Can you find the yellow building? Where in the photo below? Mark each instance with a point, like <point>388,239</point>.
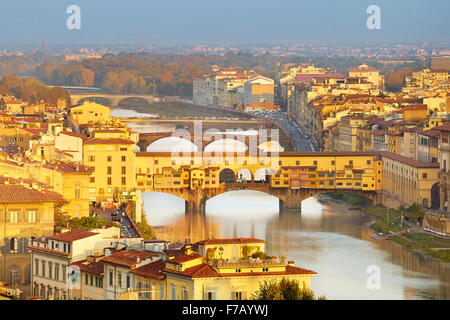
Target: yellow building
<point>194,276</point>
<point>417,112</point>
<point>71,180</point>
<point>25,213</point>
<point>112,162</point>
<point>371,74</point>
<point>88,113</point>
<point>345,170</point>
<point>409,181</point>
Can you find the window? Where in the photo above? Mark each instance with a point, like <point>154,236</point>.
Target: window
<point>424,175</point>
<point>124,158</point>
<point>109,158</point>
<point>91,158</point>
<point>14,245</point>
<point>110,278</point>
<point>128,281</point>
<point>77,194</point>
<point>124,170</point>
<point>124,181</point>
<point>36,267</point>
<point>64,272</point>
<point>57,271</point>
<point>50,269</point>
<point>184,293</point>
<point>238,295</point>
<point>119,279</point>
<point>174,292</point>
<point>92,179</point>
<point>43,268</point>
<point>109,181</point>
<point>14,216</point>
<point>333,162</point>
<point>109,170</point>
<point>31,216</point>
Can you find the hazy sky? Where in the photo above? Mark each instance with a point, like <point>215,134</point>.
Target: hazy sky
<point>221,21</point>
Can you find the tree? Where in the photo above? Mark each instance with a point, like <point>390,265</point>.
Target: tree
<point>89,223</point>
<point>284,289</point>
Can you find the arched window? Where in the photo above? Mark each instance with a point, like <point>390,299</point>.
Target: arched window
<point>14,275</point>
<point>14,245</point>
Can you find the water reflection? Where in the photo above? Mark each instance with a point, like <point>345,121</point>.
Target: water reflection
<point>325,237</point>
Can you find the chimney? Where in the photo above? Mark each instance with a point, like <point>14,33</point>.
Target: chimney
<point>291,263</point>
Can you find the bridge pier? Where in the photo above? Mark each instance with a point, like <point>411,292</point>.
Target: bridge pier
<point>292,200</point>
<point>195,206</point>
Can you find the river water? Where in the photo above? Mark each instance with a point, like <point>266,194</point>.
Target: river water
<point>325,237</point>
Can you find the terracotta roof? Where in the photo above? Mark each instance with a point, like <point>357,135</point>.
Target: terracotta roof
<point>90,267</point>
<point>19,194</point>
<point>129,257</point>
<point>416,107</point>
<point>443,127</point>
<point>184,258</point>
<point>206,271</point>
<point>73,235</point>
<point>408,161</point>
<point>109,131</point>
<point>74,134</point>
<point>231,241</point>
<point>108,141</point>
<point>432,133</point>
<point>68,167</point>
<point>66,254</point>
<point>152,270</point>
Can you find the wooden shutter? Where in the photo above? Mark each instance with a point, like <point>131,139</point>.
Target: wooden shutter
<point>6,245</point>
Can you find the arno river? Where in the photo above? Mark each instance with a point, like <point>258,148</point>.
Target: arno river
<point>325,237</point>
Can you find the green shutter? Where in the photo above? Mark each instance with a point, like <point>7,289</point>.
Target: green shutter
<point>23,243</point>
<point>6,246</point>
